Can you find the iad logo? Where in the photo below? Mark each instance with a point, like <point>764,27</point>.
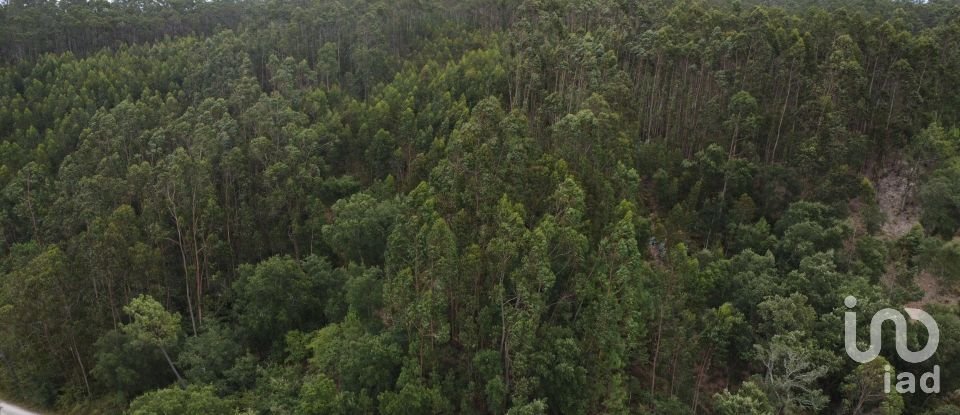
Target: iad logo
<point>906,381</point>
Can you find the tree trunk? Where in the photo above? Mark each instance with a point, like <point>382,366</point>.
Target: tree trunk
<point>656,352</point>
<point>186,269</point>
<point>180,380</point>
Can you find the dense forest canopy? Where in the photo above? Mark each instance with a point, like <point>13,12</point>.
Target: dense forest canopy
<point>484,206</point>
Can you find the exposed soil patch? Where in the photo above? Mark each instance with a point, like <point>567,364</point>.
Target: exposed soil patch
<point>933,291</point>
<point>895,193</point>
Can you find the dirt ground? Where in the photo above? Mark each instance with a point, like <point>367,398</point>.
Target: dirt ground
<point>933,293</point>
<point>896,195</point>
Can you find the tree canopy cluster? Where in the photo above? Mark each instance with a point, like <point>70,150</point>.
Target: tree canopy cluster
<point>487,206</point>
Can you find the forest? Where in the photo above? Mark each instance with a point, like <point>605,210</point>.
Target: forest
<point>521,207</point>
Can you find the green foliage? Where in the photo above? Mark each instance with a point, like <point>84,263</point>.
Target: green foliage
<point>808,229</point>
<point>359,362</point>
<point>940,203</point>
<point>207,357</point>
<point>781,315</point>
<point>151,324</point>
<point>791,373</point>
<point>871,257</point>
<point>949,348</point>
<point>412,399</point>
<point>946,260</point>
<point>751,279</point>
<point>474,207</point>
<point>126,368</point>
<point>749,400</point>
<point>863,390</point>
<point>282,294</point>
<point>194,400</point>
<point>360,228</point>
